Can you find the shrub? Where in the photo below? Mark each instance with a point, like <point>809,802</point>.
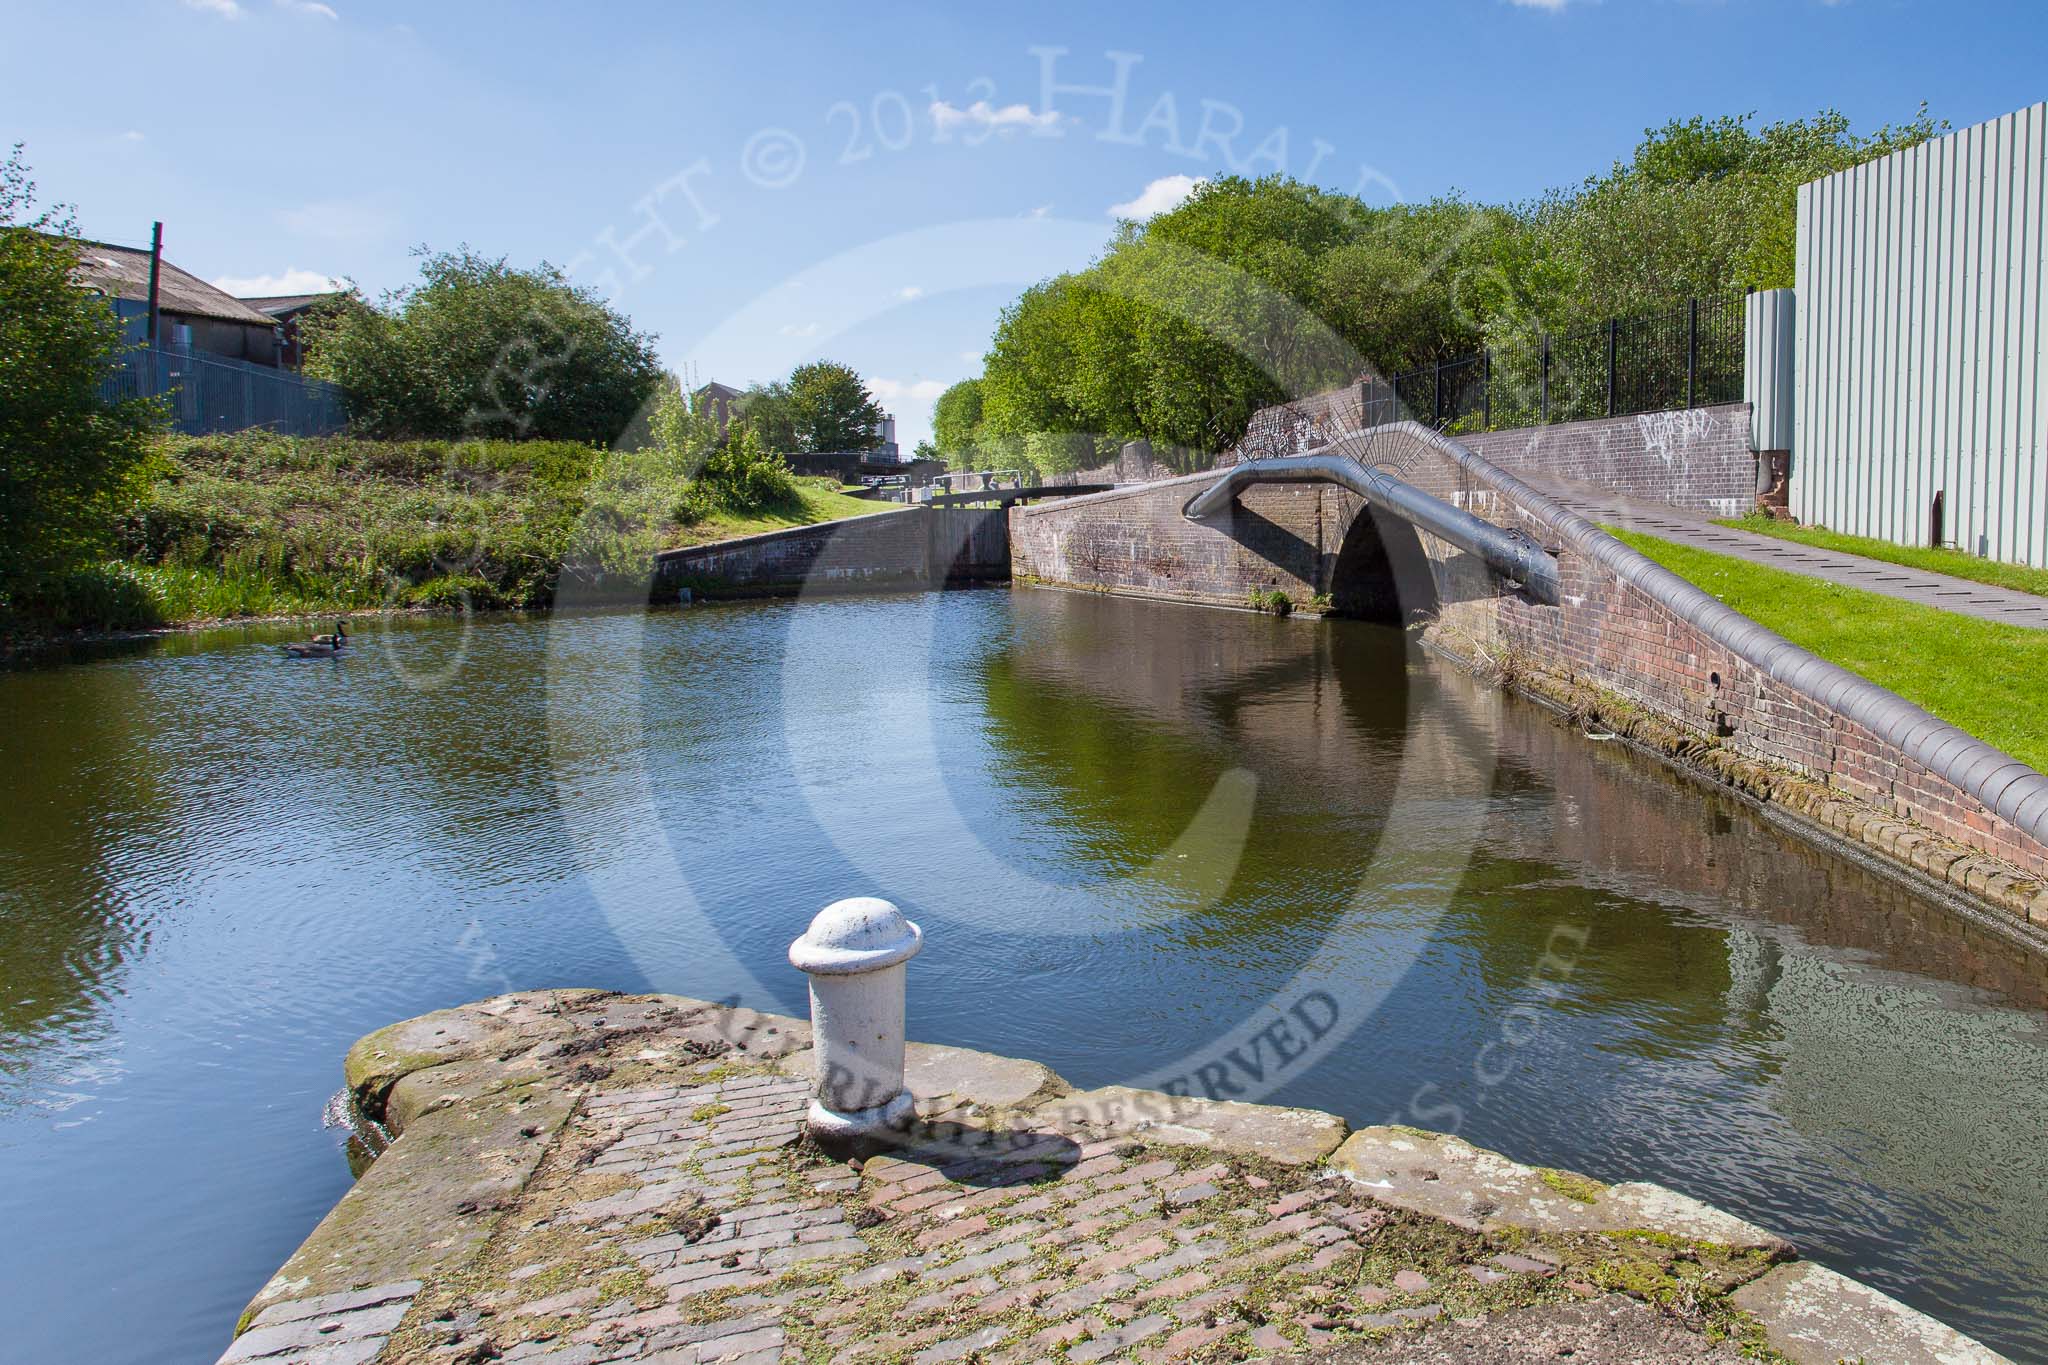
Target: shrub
<point>1273,600</point>
<point>67,458</point>
<point>478,348</point>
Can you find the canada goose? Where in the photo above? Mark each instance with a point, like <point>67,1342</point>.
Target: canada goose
<point>320,646</point>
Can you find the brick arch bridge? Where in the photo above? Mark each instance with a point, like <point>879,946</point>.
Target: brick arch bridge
<point>1616,633</point>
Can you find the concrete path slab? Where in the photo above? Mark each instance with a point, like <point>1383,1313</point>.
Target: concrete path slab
<point>1666,522</point>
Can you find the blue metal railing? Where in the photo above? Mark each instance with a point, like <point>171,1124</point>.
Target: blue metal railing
<point>208,395</point>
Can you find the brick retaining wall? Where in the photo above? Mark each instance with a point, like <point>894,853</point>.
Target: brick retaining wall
<point>1698,458</point>
<point>914,547</point>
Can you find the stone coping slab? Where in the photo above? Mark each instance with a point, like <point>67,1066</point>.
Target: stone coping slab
<point>1817,1317</point>
<point>1449,1178</point>
<point>1291,1137</point>
<point>581,1177</point>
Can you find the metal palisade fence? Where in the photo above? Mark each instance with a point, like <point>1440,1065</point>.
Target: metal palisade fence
<point>207,395</point>
<point>1689,356</point>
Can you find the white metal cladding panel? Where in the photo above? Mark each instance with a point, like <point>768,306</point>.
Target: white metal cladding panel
<point>1920,354</point>
<point>1768,334</point>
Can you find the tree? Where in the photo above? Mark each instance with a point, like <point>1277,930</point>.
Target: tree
<point>831,409</point>
<point>1254,291</point>
<point>956,423</point>
<point>821,406</point>
<point>765,408</point>
<point>478,348</point>
<point>66,455</point>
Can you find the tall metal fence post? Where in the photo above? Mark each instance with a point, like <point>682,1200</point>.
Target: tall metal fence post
<point>1486,389</point>
<point>1437,404</point>
<point>1692,352</point>
<point>1613,329</point>
<point>1546,379</point>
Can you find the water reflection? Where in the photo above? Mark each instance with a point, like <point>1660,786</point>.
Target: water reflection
<point>217,870</point>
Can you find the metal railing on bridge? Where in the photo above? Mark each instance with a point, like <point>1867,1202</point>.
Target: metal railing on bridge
<point>1686,357</point>
<point>208,395</point>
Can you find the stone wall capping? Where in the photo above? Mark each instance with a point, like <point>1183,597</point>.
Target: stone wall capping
<point>1286,1136</point>
<point>1814,1316</point>
<point>1448,1177</point>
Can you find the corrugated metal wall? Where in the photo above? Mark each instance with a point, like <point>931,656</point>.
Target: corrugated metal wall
<point>1920,360</point>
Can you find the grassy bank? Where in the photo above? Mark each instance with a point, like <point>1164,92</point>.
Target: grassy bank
<point>1954,563</point>
<point>260,525</point>
<point>1990,679</point>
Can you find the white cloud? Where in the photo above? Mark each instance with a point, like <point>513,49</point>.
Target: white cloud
<point>910,291</point>
<point>982,114</point>
<point>1168,191</point>
<point>292,281</point>
<point>132,135</point>
<point>226,9</point>
<point>1040,211</point>
<point>312,9</point>
<point>895,392</point>
<point>971,357</point>
<point>791,329</point>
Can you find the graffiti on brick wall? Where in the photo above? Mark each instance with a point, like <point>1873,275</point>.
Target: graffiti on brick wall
<point>1670,436</point>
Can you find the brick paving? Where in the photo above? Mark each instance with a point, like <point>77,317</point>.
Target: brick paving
<point>582,1177</point>
<point>693,1223</point>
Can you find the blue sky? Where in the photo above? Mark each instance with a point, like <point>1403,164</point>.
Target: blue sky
<point>760,185</point>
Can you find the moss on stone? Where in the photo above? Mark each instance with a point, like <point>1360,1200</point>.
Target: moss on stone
<point>1571,1185</point>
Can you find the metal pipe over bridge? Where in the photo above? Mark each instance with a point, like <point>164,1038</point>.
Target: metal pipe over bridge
<point>1508,553</point>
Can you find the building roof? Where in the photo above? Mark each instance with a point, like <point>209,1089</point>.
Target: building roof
<point>122,272</point>
<point>718,390</point>
<point>282,305</point>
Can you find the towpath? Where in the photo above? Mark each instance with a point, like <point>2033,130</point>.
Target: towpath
<point>1666,522</point>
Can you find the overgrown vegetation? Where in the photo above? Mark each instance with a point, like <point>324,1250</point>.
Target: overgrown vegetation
<point>1955,563</point>
<point>1253,292</point>
<point>2002,697</point>
<point>480,349</point>
<point>1271,599</point>
<point>67,459</point>
<point>261,525</point>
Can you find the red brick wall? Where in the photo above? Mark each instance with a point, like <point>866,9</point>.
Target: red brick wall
<point>1698,458</point>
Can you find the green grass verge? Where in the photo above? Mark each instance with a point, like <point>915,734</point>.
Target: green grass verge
<point>1954,563</point>
<point>1988,678</point>
<point>817,501</point>
<point>262,525</point>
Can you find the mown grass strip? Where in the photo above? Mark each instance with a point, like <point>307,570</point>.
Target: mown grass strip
<point>1988,678</point>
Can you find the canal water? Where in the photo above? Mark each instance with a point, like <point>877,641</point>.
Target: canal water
<point>1135,834</point>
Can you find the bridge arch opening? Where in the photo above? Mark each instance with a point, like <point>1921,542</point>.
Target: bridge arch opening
<point>1380,572</point>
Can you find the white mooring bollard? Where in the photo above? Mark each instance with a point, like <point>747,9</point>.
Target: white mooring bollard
<point>854,952</point>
